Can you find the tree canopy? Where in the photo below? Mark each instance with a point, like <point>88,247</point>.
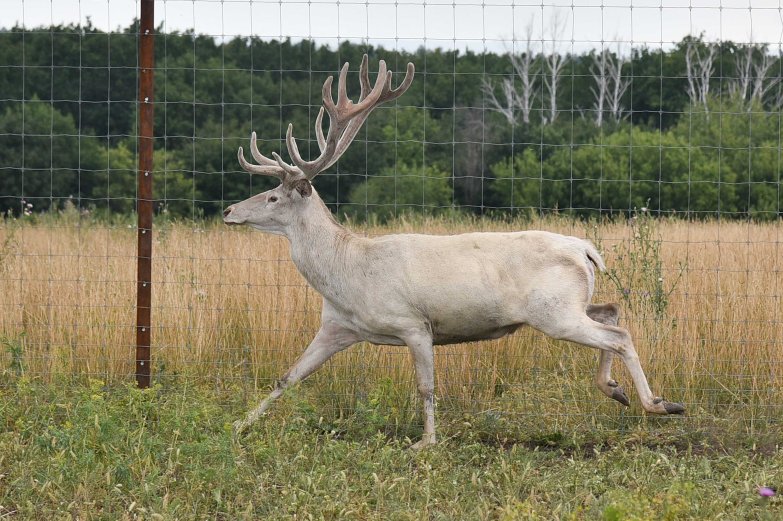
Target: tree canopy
<point>457,138</point>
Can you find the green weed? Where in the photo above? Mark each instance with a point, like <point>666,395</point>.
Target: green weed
<point>15,349</point>
<point>638,272</point>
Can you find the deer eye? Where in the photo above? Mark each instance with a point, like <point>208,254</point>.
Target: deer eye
<point>272,199</point>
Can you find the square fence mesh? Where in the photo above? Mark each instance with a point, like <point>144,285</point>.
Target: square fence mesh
<point>651,127</point>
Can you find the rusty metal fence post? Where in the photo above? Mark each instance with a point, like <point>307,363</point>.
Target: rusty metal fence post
<point>144,196</point>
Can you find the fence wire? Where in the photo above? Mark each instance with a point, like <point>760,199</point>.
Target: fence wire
<point>652,128</point>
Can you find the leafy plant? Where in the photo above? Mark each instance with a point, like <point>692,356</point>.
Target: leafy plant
<point>638,273</point>
<point>9,246</point>
<point>15,348</point>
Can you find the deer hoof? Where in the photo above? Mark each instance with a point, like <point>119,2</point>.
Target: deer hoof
<point>661,406</point>
<point>674,408</point>
<point>619,394</point>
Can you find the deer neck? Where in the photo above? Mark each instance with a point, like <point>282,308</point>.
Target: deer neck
<point>322,250</point>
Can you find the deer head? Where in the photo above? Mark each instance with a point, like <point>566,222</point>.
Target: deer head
<point>273,210</point>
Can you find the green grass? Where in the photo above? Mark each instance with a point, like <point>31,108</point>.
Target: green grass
<point>76,450</point>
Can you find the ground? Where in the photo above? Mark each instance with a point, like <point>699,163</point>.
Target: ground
<point>524,432</point>
<point>82,450</point>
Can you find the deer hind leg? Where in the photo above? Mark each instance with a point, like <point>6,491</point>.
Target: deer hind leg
<point>329,340</point>
<point>577,327</point>
<point>608,314</point>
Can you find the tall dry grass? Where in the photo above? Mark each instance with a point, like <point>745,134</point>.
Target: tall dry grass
<point>230,309</point>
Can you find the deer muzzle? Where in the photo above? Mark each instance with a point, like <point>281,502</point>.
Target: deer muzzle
<point>227,219</point>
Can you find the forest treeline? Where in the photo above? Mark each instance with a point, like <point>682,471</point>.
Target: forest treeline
<point>693,129</point>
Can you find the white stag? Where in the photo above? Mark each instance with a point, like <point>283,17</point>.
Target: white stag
<point>423,290</point>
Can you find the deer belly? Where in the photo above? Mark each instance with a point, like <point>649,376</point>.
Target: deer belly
<point>472,335</point>
<point>471,323</point>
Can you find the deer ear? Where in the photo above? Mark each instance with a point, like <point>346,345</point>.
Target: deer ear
<point>304,187</point>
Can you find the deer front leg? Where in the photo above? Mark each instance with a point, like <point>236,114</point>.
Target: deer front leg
<point>330,339</point>
<point>424,363</point>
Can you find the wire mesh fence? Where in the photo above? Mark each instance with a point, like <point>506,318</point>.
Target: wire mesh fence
<point>651,128</point>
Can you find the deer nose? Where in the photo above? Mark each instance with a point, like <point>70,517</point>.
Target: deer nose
<point>227,214</point>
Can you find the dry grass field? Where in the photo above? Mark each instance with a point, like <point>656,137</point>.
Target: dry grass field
<point>524,434</point>
<point>702,300</point>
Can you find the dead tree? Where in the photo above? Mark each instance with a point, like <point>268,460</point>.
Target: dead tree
<point>699,67</point>
<point>743,64</point>
<point>554,64</point>
<point>516,102</point>
<point>598,71</point>
<point>619,85</point>
<point>610,86</point>
<point>753,81</point>
<point>762,82</point>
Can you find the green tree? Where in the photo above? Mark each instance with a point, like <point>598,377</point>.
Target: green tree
<point>742,140</point>
<point>69,112</point>
<point>44,158</point>
<point>629,168</point>
<point>174,189</point>
<point>401,190</point>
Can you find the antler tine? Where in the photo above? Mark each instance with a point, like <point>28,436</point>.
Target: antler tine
<point>319,130</point>
<point>276,168</point>
<point>311,168</point>
<point>342,100</point>
<point>342,94</point>
<point>290,170</point>
<point>328,101</point>
<point>386,94</point>
<point>258,156</point>
<point>346,109</point>
<point>374,96</point>
<point>391,94</point>
<point>364,78</point>
<point>293,148</point>
<point>271,170</point>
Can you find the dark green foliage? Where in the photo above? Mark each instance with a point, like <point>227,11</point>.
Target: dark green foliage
<point>43,157</point>
<point>68,124</point>
<point>722,162</point>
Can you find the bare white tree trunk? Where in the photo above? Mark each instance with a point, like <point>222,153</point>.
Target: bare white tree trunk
<point>744,67</point>
<point>598,71</point>
<point>504,106</point>
<point>524,68</point>
<point>761,84</point>
<point>555,63</point>
<point>753,81</point>
<point>614,68</point>
<point>512,99</point>
<point>699,68</point>
<point>610,86</point>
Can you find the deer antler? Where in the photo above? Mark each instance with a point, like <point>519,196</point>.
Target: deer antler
<point>265,165</point>
<point>345,120</point>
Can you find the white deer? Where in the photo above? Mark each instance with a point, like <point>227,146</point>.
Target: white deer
<point>424,290</point>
